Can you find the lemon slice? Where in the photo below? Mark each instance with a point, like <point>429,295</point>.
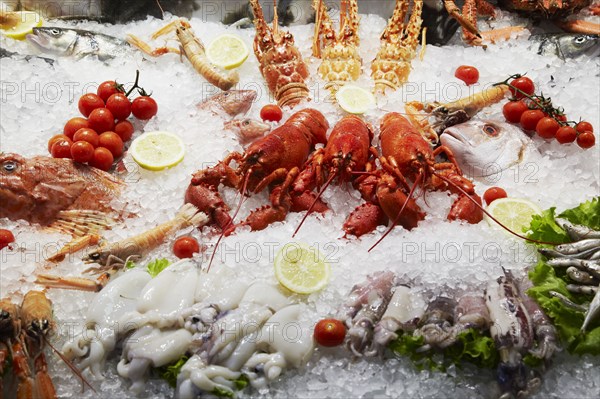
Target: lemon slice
<point>227,51</point>
<point>157,150</point>
<point>514,213</point>
<point>354,99</point>
<point>301,269</point>
<point>18,24</point>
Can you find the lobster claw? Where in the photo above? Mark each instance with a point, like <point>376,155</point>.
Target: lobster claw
<point>364,219</point>
<point>465,209</point>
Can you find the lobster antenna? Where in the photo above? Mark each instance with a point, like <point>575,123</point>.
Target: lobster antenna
<point>343,7</point>
<point>275,18</point>
<point>74,369</point>
<point>317,35</point>
<point>395,222</point>
<point>327,183</point>
<point>163,14</point>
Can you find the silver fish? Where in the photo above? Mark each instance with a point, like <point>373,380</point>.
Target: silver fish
<point>483,147</point>
<point>76,43</point>
<point>247,130</point>
<point>567,45</point>
<point>593,311</point>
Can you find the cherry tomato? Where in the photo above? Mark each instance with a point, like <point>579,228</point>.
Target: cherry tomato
<point>586,140</point>
<point>584,127</point>
<point>566,134</point>
<point>330,332</point>
<point>124,129</point>
<point>119,105</point>
<point>89,102</point>
<point>103,159</point>
<point>468,74</point>
<point>61,149</point>
<point>271,112</point>
<point>530,118</point>
<point>82,151</point>
<point>547,127</point>
<point>73,125</point>
<point>144,107</point>
<point>561,118</point>
<point>112,142</point>
<point>524,84</point>
<point>185,247</point>
<point>493,193</point>
<point>88,135</point>
<point>107,89</point>
<point>513,110</point>
<point>6,237</point>
<point>101,120</point>
<point>56,138</point>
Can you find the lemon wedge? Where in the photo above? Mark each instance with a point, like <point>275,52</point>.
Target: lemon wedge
<point>157,150</point>
<point>227,51</point>
<point>354,99</point>
<point>301,269</point>
<point>18,24</point>
<point>514,213</point>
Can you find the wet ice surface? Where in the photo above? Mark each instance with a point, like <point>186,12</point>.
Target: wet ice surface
<point>438,255</point>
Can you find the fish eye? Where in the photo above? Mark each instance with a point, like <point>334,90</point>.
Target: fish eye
<point>45,325</point>
<point>246,122</point>
<point>54,32</point>
<point>10,166</point>
<point>226,94</point>
<point>95,256</point>
<point>580,39</point>
<point>490,130</point>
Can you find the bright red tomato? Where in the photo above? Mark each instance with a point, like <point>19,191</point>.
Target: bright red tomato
<point>107,89</point>
<point>103,159</point>
<point>88,135</point>
<point>89,102</point>
<point>61,149</point>
<point>271,112</point>
<point>584,126</point>
<point>144,107</point>
<point>82,151</point>
<point>73,125</point>
<point>468,74</point>
<point>330,332</point>
<point>119,105</point>
<point>6,237</point>
<point>566,134</point>
<point>125,130</point>
<point>513,110</point>
<point>524,84</point>
<point>56,138</point>
<point>186,247</point>
<point>101,120</point>
<point>530,118</point>
<point>493,193</point>
<point>112,142</point>
<point>586,140</point>
<point>547,127</point>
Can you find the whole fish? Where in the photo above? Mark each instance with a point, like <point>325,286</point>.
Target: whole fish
<point>483,147</point>
<point>55,191</point>
<point>247,130</point>
<point>232,102</point>
<point>77,43</point>
<point>567,45</point>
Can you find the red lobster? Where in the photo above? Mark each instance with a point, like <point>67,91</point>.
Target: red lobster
<point>407,156</point>
<point>274,159</point>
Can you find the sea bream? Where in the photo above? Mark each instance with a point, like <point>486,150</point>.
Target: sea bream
<point>77,43</point>
<point>483,147</point>
<point>567,45</point>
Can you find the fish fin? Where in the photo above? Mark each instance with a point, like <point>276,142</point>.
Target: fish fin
<point>79,223</point>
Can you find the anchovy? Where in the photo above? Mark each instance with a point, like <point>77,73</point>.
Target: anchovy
<point>593,311</point>
<point>592,267</point>
<point>551,253</point>
<point>580,276</point>
<point>578,247</point>
<point>576,231</point>
<point>567,302</point>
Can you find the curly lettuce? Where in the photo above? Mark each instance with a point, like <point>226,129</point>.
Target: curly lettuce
<point>170,372</point>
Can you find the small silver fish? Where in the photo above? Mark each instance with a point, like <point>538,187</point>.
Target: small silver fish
<point>233,102</point>
<point>77,43</point>
<point>247,130</point>
<point>483,147</point>
<point>567,45</point>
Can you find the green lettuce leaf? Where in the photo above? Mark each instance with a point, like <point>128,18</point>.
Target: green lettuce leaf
<point>544,228</point>
<point>157,266</point>
<point>129,264</point>
<point>170,372</point>
<point>223,393</point>
<point>587,214</point>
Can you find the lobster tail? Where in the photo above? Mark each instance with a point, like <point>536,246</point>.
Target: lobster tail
<point>291,94</point>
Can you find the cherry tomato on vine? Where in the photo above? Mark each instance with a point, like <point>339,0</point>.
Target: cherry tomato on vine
<point>493,193</point>
<point>524,84</point>
<point>61,149</point>
<point>513,110</point>
<point>56,138</point>
<point>88,135</point>
<point>584,126</point>
<point>530,118</point>
<point>73,125</point>
<point>82,151</point>
<point>101,120</point>
<point>547,127</point>
<point>112,142</point>
<point>107,89</point>
<point>586,140</point>
<point>468,74</point>
<point>124,129</point>
<point>89,102</point>
<point>119,105</point>
<point>566,134</point>
<point>271,112</point>
<point>561,118</point>
<point>6,237</point>
<point>144,107</point>
<point>186,247</point>
<point>103,159</point>
<point>330,332</point>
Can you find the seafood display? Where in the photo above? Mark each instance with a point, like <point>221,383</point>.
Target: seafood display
<point>289,223</point>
